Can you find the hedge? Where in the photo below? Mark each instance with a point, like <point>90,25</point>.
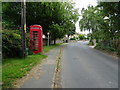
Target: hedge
<point>11,43</point>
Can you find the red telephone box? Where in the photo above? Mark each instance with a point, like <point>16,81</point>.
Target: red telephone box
<point>36,42</point>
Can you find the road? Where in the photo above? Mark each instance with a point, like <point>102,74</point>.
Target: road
<point>85,67</point>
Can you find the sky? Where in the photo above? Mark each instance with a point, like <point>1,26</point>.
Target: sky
<point>83,4</point>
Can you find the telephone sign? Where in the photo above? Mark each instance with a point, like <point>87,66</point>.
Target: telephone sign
<point>36,42</point>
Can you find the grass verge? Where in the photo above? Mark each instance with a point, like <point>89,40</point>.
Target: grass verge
<point>48,48</point>
<point>16,68</point>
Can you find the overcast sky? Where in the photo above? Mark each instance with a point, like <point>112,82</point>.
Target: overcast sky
<point>83,4</point>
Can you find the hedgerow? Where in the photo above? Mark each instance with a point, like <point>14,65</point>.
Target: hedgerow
<point>11,43</point>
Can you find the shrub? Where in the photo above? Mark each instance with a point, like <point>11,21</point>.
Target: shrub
<point>91,43</point>
<point>81,36</point>
<point>107,48</point>
<point>72,39</point>
<point>11,43</point>
<point>118,52</point>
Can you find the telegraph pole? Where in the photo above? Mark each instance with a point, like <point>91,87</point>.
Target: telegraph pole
<point>23,27</point>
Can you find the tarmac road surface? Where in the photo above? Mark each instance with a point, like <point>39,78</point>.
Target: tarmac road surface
<point>85,67</point>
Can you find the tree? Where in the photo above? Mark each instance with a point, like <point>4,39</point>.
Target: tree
<point>46,14</point>
<point>11,15</point>
<point>103,21</point>
<point>92,20</point>
<point>112,11</point>
<point>56,32</point>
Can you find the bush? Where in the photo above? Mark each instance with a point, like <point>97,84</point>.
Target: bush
<point>118,52</point>
<point>81,36</point>
<point>11,43</point>
<point>72,39</point>
<point>107,48</point>
<point>91,43</point>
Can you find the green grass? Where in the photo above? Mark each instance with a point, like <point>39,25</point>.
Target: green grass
<point>16,68</point>
<point>47,48</point>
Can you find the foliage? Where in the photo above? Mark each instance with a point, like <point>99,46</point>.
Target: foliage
<point>11,43</point>
<point>91,43</point>
<point>112,11</point>
<point>72,31</point>
<point>102,47</point>
<point>81,36</point>
<point>72,39</point>
<point>109,46</point>
<point>8,25</point>
<point>94,19</point>
<point>58,18</point>
<point>11,15</point>
<point>46,14</point>
<point>103,22</point>
<point>56,32</point>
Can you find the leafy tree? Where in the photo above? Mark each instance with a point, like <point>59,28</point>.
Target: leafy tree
<point>103,21</point>
<point>92,20</point>
<point>56,32</point>
<point>11,15</point>
<point>112,11</point>
<point>45,14</point>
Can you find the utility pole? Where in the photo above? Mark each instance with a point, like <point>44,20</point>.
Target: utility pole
<point>23,27</point>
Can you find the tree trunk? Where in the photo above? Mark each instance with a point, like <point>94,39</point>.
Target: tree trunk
<point>54,41</point>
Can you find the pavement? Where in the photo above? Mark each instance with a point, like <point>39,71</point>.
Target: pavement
<point>45,72</point>
<point>85,67</point>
